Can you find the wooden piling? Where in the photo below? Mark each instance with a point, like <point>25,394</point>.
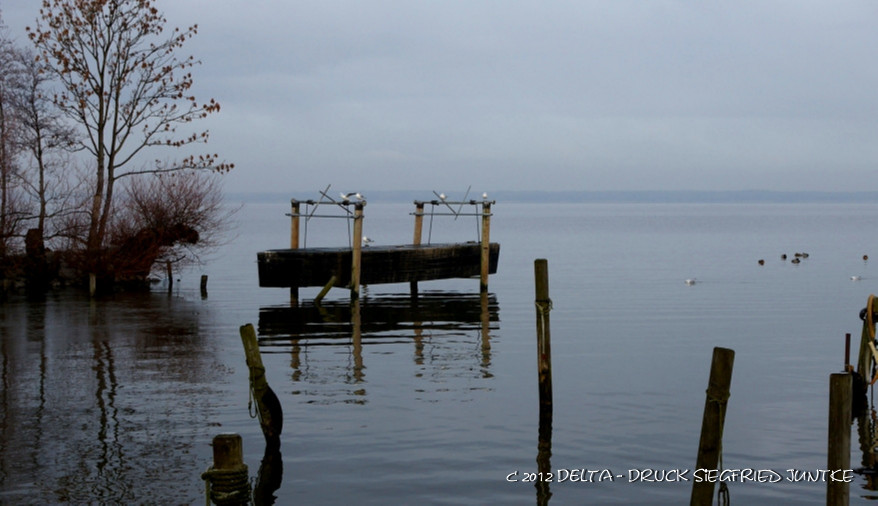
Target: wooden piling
<point>294,243</point>
<point>544,349</point>
<point>839,447</point>
<point>357,247</point>
<point>294,224</point>
<point>416,240</point>
<point>169,271</point>
<point>710,444</point>
<point>486,245</point>
<point>204,285</point>
<point>325,290</point>
<point>268,406</point>
<point>228,477</point>
<point>92,284</point>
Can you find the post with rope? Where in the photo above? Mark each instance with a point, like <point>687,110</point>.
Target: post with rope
<point>544,348</point>
<point>268,408</point>
<point>839,448</point>
<point>357,250</point>
<point>294,242</point>
<point>227,480</point>
<point>486,246</point>
<point>711,442</point>
<point>416,240</point>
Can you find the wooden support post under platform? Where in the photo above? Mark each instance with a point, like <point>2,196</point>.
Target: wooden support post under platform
<point>325,290</point>
<point>839,447</point>
<point>357,246</point>
<point>294,243</point>
<point>711,441</point>
<point>416,240</point>
<point>486,245</point>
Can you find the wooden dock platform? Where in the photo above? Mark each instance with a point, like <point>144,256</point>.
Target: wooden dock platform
<point>379,264</point>
<point>360,264</point>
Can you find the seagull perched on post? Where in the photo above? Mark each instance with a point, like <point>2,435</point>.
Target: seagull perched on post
<point>367,241</point>
<point>347,196</point>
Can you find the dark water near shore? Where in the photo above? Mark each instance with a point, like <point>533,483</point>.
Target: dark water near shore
<point>116,400</point>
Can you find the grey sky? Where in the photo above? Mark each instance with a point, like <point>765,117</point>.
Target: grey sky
<point>572,95</point>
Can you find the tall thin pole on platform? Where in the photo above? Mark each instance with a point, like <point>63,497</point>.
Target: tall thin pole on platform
<point>416,240</point>
<point>486,245</point>
<point>357,252</point>
<point>294,242</point>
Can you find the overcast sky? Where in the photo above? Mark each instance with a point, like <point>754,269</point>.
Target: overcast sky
<point>509,95</point>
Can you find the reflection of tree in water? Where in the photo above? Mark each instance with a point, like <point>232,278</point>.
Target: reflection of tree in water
<point>447,332</point>
<point>104,401</point>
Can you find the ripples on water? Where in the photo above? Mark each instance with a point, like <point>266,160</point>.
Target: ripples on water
<point>116,400</point>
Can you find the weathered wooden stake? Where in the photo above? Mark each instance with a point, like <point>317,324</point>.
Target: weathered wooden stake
<point>486,245</point>
<point>204,285</point>
<point>325,289</point>
<point>294,243</point>
<point>92,284</point>
<point>416,240</point>
<point>228,478</point>
<point>710,444</point>
<point>294,224</point>
<point>228,451</point>
<point>267,404</point>
<point>839,448</point>
<point>544,340</point>
<point>170,273</point>
<point>357,250</point>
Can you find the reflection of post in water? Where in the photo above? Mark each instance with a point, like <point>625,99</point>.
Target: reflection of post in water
<point>357,338</point>
<point>868,440</point>
<point>111,458</point>
<point>485,333</point>
<point>544,455</point>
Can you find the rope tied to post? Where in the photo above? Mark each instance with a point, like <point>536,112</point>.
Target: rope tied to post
<point>720,398</point>
<point>227,486</point>
<point>256,372</point>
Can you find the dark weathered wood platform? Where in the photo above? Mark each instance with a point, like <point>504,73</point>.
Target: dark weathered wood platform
<point>380,264</point>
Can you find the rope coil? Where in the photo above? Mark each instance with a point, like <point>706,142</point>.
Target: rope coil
<point>227,486</point>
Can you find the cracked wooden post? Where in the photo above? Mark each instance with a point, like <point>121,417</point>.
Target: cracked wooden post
<point>486,245</point>
<point>357,254</point>
<point>839,447</point>
<point>416,240</point>
<point>544,339</point>
<point>294,242</point>
<point>711,441</point>
<point>267,404</point>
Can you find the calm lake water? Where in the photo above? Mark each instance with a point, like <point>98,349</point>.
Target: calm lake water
<point>116,400</point>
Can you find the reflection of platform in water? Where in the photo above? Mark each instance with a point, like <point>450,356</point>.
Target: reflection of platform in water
<point>377,320</point>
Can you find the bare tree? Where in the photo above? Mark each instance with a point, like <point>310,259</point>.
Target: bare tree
<point>125,86</point>
<point>12,212</point>
<point>47,140</point>
<point>167,218</point>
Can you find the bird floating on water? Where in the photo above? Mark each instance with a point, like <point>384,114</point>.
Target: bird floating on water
<point>855,278</point>
<point>761,262</point>
<point>690,281</point>
<point>795,260</point>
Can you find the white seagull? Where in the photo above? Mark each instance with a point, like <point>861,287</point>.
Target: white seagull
<point>690,281</point>
<point>367,241</point>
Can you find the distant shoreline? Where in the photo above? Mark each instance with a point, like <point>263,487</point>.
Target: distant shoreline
<point>597,197</point>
